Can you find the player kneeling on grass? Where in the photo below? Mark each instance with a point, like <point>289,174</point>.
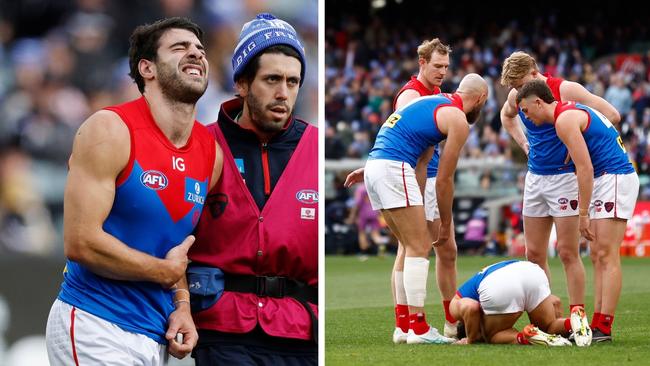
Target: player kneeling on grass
<point>490,303</point>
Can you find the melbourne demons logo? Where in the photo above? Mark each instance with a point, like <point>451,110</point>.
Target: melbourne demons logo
<point>307,196</point>
<point>153,179</point>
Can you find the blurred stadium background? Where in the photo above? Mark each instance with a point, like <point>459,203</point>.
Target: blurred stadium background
<point>370,52</point>
<point>60,61</point>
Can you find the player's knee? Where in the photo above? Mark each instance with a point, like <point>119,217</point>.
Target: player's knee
<point>420,251</point>
<point>593,254</point>
<point>603,253</point>
<point>607,257</point>
<point>447,254</point>
<point>536,256</point>
<point>568,255</point>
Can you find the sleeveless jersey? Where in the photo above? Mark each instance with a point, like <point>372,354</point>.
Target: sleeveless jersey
<point>470,287</point>
<point>281,239</point>
<point>412,129</point>
<point>158,201</point>
<point>547,153</point>
<point>415,84</point>
<point>605,146</point>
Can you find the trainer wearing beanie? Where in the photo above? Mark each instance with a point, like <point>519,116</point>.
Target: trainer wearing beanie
<point>254,272</point>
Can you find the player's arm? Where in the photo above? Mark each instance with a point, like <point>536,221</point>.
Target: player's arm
<point>100,151</point>
<point>354,177</point>
<point>354,210</point>
<point>421,167</point>
<point>218,166</point>
<point>569,129</point>
<point>469,311</point>
<point>510,122</point>
<point>575,92</point>
<point>181,331</point>
<point>406,97</point>
<point>453,123</point>
<point>357,175</point>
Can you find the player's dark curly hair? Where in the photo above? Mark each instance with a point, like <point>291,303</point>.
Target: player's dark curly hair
<point>145,42</point>
<point>537,88</point>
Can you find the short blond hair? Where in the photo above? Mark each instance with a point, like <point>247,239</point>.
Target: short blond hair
<point>426,49</point>
<point>517,66</point>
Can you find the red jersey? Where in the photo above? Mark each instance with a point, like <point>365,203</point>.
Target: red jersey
<point>158,201</point>
<point>416,85</point>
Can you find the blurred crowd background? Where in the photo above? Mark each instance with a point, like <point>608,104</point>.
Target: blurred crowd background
<point>370,53</point>
<point>60,61</point>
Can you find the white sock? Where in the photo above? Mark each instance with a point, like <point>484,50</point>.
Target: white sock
<point>400,294</point>
<point>416,270</point>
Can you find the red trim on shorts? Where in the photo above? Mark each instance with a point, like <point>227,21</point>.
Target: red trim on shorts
<point>74,349</point>
<point>406,192</point>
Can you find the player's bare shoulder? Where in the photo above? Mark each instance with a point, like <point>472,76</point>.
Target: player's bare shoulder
<point>406,97</point>
<point>570,90</point>
<point>103,126</point>
<point>571,120</point>
<point>451,117</point>
<point>102,139</point>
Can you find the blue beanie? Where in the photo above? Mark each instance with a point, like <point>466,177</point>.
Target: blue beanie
<point>261,33</point>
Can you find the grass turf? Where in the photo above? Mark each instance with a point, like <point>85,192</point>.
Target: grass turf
<point>359,319</point>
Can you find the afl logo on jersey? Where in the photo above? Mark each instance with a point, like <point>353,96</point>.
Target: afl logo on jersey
<point>153,179</point>
<point>307,196</point>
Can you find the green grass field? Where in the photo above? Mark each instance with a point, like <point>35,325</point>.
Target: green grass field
<point>359,320</point>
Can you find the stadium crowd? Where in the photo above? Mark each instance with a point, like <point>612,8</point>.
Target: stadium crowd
<point>369,56</point>
<point>62,60</point>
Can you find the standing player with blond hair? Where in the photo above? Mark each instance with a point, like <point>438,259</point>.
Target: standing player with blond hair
<point>433,59</point>
<point>551,190</point>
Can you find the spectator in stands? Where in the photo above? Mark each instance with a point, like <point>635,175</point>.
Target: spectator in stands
<point>475,230</point>
<point>619,95</point>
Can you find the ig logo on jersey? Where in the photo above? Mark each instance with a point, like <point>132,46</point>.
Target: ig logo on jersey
<point>154,180</point>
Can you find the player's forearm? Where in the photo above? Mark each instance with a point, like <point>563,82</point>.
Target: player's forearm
<point>421,168</point>
<point>445,197</point>
<point>108,257</point>
<point>471,316</point>
<point>514,130</point>
<point>585,186</point>
<point>421,176</point>
<point>181,294</point>
<point>613,116</point>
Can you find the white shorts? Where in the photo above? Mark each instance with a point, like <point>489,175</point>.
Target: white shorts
<point>614,196</point>
<point>391,184</point>
<point>75,337</point>
<point>431,200</point>
<point>516,287</point>
<point>550,195</point>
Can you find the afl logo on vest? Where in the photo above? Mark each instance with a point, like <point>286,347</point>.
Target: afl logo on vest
<point>307,196</point>
<point>153,179</point>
